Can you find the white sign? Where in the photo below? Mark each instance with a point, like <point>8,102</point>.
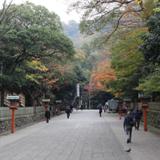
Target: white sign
<point>58,101</point>
<point>78,90</point>
<point>12,97</point>
<point>45,100</point>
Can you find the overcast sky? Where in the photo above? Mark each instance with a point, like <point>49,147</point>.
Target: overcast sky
<point>58,6</point>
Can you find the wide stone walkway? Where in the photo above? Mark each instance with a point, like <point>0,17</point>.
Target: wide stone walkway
<point>85,136</point>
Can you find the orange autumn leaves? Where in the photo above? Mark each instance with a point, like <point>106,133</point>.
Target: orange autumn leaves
<point>101,75</point>
<point>55,72</point>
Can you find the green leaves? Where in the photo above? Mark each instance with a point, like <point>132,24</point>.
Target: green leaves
<point>151,46</point>
<point>151,50</point>
<point>125,54</point>
<point>30,43</point>
<point>151,83</point>
<point>127,61</point>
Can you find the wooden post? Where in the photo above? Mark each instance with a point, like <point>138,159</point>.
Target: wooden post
<point>13,120</point>
<point>145,120</point>
<point>145,109</point>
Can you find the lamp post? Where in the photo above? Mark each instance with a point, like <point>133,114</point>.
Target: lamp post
<point>14,103</point>
<point>45,103</point>
<point>1,86</point>
<point>144,104</point>
<point>145,110</point>
<point>78,94</point>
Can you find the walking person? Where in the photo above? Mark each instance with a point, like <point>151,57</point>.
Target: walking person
<point>47,116</point>
<point>100,107</point>
<point>71,108</point>
<point>138,117</point>
<point>68,111</point>
<point>128,125</point>
<point>120,112</point>
<point>105,106</point>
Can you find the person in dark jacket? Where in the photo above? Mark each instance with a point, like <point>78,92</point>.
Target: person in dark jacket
<point>100,107</point>
<point>47,116</point>
<point>138,117</point>
<point>128,125</point>
<point>68,111</point>
<point>71,108</point>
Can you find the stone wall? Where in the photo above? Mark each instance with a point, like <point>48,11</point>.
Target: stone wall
<point>23,116</point>
<point>154,114</point>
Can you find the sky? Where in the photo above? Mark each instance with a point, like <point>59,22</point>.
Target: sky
<point>60,7</point>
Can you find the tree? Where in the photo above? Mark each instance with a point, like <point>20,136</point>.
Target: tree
<point>33,38</point>
<point>127,62</point>
<point>4,12</point>
<point>101,75</point>
<point>151,46</point>
<point>151,83</point>
<point>98,14</point>
<point>151,50</point>
<point>127,19</point>
<point>35,33</point>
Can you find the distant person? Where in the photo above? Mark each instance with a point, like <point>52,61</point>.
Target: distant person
<point>82,107</point>
<point>47,116</point>
<point>105,106</point>
<point>138,117</point>
<point>128,125</point>
<point>124,109</point>
<point>100,107</point>
<point>68,111</point>
<point>71,108</point>
<point>120,112</point>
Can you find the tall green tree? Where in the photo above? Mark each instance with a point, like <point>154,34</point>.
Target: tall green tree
<point>151,51</point>
<point>127,61</point>
<point>33,33</point>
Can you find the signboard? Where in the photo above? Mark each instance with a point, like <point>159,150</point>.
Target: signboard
<point>46,100</point>
<point>13,98</point>
<point>140,95</point>
<point>127,99</point>
<point>78,90</point>
<point>58,101</point>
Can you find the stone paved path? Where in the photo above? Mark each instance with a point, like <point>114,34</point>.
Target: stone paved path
<point>85,136</point>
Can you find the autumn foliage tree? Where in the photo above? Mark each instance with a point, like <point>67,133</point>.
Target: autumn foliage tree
<point>127,62</point>
<point>102,74</point>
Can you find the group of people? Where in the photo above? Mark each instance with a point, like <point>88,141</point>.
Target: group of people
<point>68,111</point>
<point>132,119</point>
